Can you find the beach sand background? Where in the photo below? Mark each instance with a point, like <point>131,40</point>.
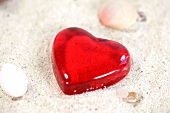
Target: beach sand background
<point>27,28</point>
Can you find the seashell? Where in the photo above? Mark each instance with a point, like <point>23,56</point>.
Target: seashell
<point>13,80</point>
<point>133,98</point>
<point>117,14</point>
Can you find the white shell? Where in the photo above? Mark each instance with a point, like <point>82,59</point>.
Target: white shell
<point>13,80</point>
<point>117,14</point>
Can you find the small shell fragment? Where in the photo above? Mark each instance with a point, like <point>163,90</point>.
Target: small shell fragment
<point>132,98</point>
<point>117,14</point>
<point>13,80</point>
<point>141,17</point>
<point>129,97</point>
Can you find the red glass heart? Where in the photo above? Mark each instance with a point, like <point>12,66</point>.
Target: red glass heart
<point>82,62</point>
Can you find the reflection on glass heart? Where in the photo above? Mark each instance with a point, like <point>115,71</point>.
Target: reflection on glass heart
<point>82,62</point>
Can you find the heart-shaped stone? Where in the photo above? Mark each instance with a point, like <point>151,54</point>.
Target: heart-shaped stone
<point>82,62</point>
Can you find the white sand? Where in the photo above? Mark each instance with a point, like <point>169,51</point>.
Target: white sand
<point>27,28</point>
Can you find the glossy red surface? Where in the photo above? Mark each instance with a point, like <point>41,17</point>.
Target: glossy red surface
<point>82,62</point>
